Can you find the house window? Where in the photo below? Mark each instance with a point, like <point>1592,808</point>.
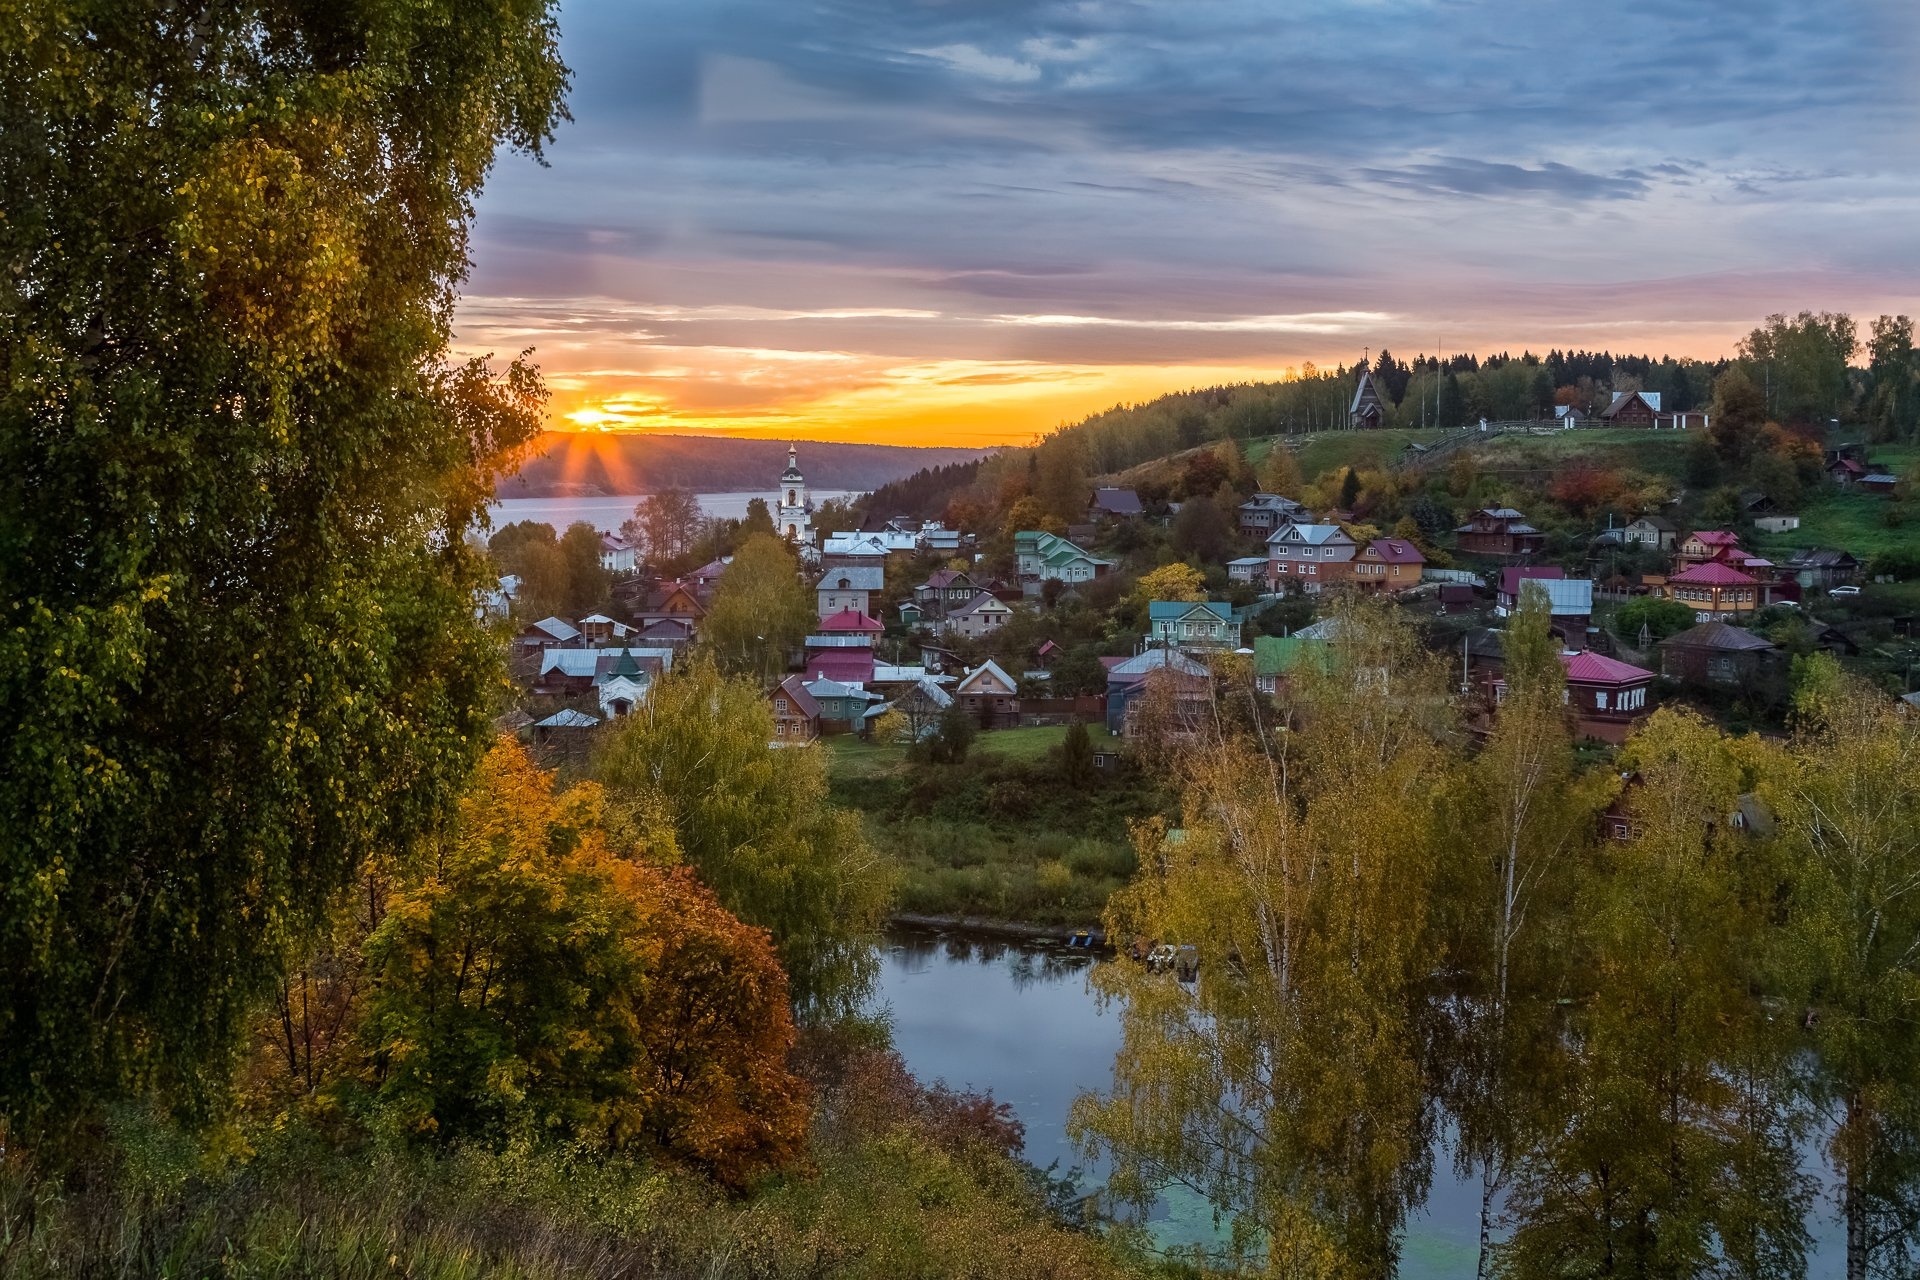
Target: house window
<point>1600,700</point>
<point>780,706</point>
<point>780,728</point>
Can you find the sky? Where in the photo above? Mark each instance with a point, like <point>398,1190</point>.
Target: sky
<point>970,221</point>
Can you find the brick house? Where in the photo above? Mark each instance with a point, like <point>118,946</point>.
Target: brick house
<point>1311,557</point>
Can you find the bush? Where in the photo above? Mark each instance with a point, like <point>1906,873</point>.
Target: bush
<point>1661,618</point>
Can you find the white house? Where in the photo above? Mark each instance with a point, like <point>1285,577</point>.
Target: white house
<point>617,554</point>
<point>983,615</point>
<point>849,587</point>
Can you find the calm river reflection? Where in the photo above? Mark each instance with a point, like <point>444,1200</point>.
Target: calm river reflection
<point>1020,1020</point>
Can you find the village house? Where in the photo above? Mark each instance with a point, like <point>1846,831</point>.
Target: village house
<point>1369,408</point>
<point>617,554</point>
<point>1309,557</point>
<point>671,633</point>
<point>1276,658</point>
<point>981,616</point>
<point>1715,653</point>
<point>1878,482</point>
<point>1203,625</point>
<point>575,672</point>
<point>847,658</point>
<point>848,550</point>
<point>1714,590</point>
<point>1114,504</point>
<point>841,589</point>
<point>944,590</point>
<point>566,730</point>
<point>1569,415</point>
<point>1845,470</point>
<point>1704,545</point>
<point>1261,514</point>
<point>1823,569</point>
<point>672,601</point>
<point>1655,532</point>
<point>550,633</point>
<point>598,630</point>
<point>1499,531</point>
<point>1632,409</point>
<point>624,685</point>
<point>1043,557</point>
<point>1607,697</point>
<point>840,707</point>
<point>1569,600</point>
<point>989,695</point>
<point>1389,565</point>
<point>1188,684</point>
<point>851,622</point>
<point>796,716</point>
<point>1247,569</point>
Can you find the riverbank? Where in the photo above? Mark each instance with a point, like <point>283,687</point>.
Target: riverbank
<point>1018,930</point>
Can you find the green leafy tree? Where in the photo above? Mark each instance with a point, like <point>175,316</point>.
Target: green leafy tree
<point>1526,819</point>
<point>756,824</point>
<point>1280,472</point>
<point>1846,795</point>
<point>1660,618</point>
<point>759,520</point>
<point>237,647</point>
<point>1739,411</point>
<point>1893,379</point>
<point>1800,364</point>
<point>1202,530</point>
<point>1076,756</point>
<point>587,580</point>
<point>669,524</point>
<point>1285,1086</point>
<point>761,610</point>
<point>954,735</point>
<point>1668,1147</point>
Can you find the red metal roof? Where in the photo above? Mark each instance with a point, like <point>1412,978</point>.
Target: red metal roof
<point>850,620</point>
<point>849,666</point>
<point>1513,575</point>
<point>1713,573</point>
<point>1715,537</point>
<point>1594,668</point>
<point>1396,551</point>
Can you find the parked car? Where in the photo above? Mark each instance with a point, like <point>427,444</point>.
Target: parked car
<point>1844,591</point>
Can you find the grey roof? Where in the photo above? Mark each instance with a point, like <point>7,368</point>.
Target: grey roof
<point>567,718</point>
<point>859,577</point>
<point>1119,502</point>
<point>1312,534</point>
<point>1154,660</point>
<point>861,641</point>
<point>981,600</point>
<point>1879,477</point>
<point>1718,635</point>
<point>558,628</point>
<point>1819,557</point>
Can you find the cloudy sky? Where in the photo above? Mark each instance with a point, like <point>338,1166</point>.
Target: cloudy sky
<point>966,221</point>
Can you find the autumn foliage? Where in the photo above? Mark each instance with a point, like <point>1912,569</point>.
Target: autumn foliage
<point>524,978</point>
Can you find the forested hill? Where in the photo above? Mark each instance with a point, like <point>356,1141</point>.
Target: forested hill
<point>585,464</point>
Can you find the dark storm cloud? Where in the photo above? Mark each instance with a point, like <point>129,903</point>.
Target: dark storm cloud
<point>1182,162</point>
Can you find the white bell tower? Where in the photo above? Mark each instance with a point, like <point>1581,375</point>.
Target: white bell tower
<point>793,513</point>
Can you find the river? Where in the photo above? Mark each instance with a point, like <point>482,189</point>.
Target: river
<point>609,512</point>
<point>1020,1020</point>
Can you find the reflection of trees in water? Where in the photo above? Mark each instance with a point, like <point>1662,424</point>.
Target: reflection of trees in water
<point>1026,963</point>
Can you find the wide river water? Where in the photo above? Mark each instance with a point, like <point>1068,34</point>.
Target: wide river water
<point>1021,1021</point>
<point>607,514</point>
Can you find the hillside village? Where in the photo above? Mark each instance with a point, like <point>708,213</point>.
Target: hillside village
<point>1666,594</point>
